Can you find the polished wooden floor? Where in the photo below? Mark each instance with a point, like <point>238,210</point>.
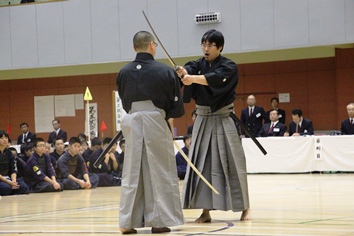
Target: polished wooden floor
<point>282,204</point>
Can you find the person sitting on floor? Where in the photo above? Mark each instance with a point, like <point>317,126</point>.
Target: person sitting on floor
<point>72,170</point>
<point>42,171</point>
<point>107,170</point>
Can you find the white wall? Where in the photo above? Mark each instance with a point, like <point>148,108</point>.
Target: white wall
<point>95,31</point>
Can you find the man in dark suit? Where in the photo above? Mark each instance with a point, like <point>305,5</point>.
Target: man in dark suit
<point>26,136</point>
<point>274,127</point>
<point>252,116</point>
<point>299,125</point>
<point>347,125</point>
<point>274,102</point>
<point>58,132</point>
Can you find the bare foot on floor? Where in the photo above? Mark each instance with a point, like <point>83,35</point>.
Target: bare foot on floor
<point>160,230</point>
<point>204,217</point>
<point>246,215</point>
<point>127,231</point>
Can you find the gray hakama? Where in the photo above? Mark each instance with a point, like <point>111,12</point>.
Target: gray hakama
<point>216,150</point>
<point>150,193</point>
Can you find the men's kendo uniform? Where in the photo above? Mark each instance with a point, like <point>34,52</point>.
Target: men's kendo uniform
<point>150,92</point>
<point>76,166</point>
<point>7,168</point>
<point>40,167</point>
<point>107,176</point>
<point>216,147</point>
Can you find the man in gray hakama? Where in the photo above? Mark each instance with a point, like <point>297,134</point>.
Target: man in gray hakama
<point>216,148</point>
<point>150,93</point>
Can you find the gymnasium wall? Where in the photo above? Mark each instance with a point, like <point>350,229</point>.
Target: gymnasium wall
<point>320,87</point>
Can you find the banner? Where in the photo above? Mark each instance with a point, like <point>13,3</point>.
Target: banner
<point>120,112</point>
<point>93,120</point>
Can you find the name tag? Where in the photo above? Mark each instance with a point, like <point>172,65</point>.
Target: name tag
<point>280,116</point>
<point>276,130</point>
<point>305,131</point>
<point>258,115</point>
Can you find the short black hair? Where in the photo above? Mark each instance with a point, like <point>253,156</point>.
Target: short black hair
<point>56,121</point>
<point>74,140</point>
<point>82,135</point>
<point>38,140</point>
<point>24,123</point>
<point>297,111</point>
<point>274,110</point>
<point>56,139</point>
<point>214,36</point>
<point>106,140</point>
<point>186,136</point>
<point>121,142</point>
<point>12,149</point>
<point>274,98</point>
<point>28,146</point>
<point>4,133</point>
<point>95,141</point>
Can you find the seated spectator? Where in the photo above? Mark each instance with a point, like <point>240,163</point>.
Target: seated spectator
<point>347,125</point>
<point>120,157</point>
<point>21,165</point>
<point>72,170</point>
<point>299,125</point>
<point>180,161</point>
<point>82,137</point>
<point>9,183</point>
<point>26,136</point>
<point>48,148</point>
<point>274,128</point>
<point>26,151</point>
<point>107,170</point>
<point>42,171</point>
<point>58,148</point>
<point>274,102</point>
<point>95,144</point>
<point>190,128</point>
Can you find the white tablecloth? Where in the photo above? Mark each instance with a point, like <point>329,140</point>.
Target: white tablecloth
<point>300,154</point>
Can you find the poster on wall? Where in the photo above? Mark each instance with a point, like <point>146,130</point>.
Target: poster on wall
<point>119,111</point>
<point>64,105</point>
<point>92,119</point>
<point>43,113</point>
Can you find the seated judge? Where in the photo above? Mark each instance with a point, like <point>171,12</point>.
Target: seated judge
<point>299,125</point>
<point>347,125</point>
<point>274,128</point>
<point>26,136</point>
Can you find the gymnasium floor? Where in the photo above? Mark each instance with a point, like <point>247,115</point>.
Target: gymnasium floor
<point>282,204</point>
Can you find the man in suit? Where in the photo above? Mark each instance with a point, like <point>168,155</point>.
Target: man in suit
<point>274,127</point>
<point>299,125</point>
<point>58,132</point>
<point>347,125</point>
<point>26,136</point>
<point>252,116</point>
<point>274,102</point>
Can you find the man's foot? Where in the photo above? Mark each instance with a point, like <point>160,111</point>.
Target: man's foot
<point>127,231</point>
<point>160,230</point>
<point>204,217</point>
<point>246,215</point>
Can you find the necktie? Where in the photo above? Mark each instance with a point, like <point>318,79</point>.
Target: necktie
<point>298,128</point>
<point>24,137</point>
<point>271,128</point>
<point>251,111</point>
<point>351,121</point>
